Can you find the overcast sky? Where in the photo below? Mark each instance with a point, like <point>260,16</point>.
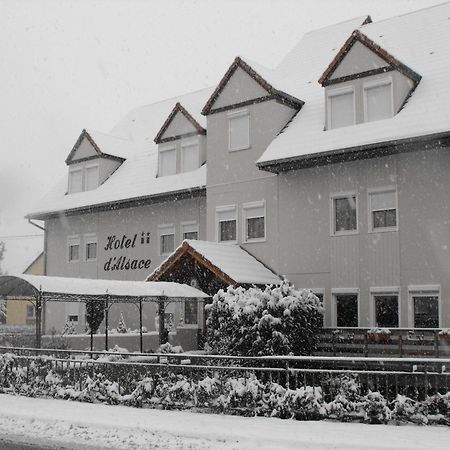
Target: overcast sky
<point>69,65</point>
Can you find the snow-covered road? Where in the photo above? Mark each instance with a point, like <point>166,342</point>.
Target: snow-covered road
<point>72,425</point>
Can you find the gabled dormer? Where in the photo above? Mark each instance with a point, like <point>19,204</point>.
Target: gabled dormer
<point>93,158</point>
<point>365,83</point>
<point>181,143</point>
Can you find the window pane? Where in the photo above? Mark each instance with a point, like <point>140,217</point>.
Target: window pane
<point>167,243</point>
<point>75,181</point>
<point>167,162</point>
<point>347,310</point>
<point>91,178</point>
<point>345,213</point>
<point>383,219</point>
<point>341,110</point>
<point>239,132</point>
<point>73,318</point>
<point>227,230</point>
<point>386,311</point>
<point>74,252</point>
<point>378,102</point>
<point>30,311</point>
<point>190,235</point>
<point>190,312</point>
<point>426,311</point>
<point>190,157</point>
<point>255,228</point>
<point>91,250</point>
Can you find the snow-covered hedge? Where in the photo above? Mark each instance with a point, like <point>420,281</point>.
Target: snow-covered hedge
<point>278,320</point>
<point>245,395</point>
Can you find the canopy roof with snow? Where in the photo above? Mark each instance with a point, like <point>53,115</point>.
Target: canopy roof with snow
<point>131,140</point>
<point>417,43</point>
<point>229,262</point>
<point>79,289</point>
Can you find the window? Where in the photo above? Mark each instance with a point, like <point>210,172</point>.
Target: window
<point>72,318</point>
<point>378,102</point>
<point>75,180</point>
<point>226,224</point>
<point>346,310</point>
<point>383,210</point>
<point>31,312</point>
<point>341,108</point>
<point>166,239</point>
<point>238,130</point>
<point>189,230</point>
<point>91,247</point>
<point>73,243</point>
<point>425,308</point>
<point>344,214</point>
<point>254,221</point>
<point>190,312</point>
<point>386,310</point>
<point>190,157</point>
<point>91,178</point>
<point>167,162</point>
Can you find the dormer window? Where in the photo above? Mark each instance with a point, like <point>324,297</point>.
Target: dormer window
<point>167,161</point>
<point>341,107</point>
<point>75,180</point>
<point>91,177</point>
<point>190,157</point>
<point>378,100</point>
<point>238,130</point>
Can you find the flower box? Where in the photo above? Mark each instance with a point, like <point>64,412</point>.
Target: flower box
<point>378,335</point>
<point>444,335</point>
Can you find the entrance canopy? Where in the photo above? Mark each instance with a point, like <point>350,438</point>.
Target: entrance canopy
<point>79,289</point>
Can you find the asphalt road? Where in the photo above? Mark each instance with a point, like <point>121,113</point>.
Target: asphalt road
<point>14,443</point>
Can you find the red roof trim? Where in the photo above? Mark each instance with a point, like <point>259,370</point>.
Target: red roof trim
<point>84,134</point>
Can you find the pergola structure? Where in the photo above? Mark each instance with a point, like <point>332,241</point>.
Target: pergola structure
<point>40,289</point>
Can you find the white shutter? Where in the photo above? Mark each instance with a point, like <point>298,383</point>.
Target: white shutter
<point>226,214</point>
<point>378,102</point>
<point>341,109</point>
<point>381,201</point>
<point>167,162</point>
<point>91,178</point>
<point>75,181</point>
<point>190,157</point>
<point>239,129</point>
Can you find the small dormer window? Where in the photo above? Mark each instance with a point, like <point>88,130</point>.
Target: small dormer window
<point>341,107</point>
<point>238,130</point>
<point>75,180</point>
<point>167,161</point>
<point>91,177</point>
<point>378,100</point>
<point>190,157</point>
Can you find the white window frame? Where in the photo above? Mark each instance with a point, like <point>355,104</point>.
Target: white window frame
<point>72,170</point>
<point>234,115</point>
<point>166,148</point>
<point>90,238</point>
<point>225,208</point>
<point>334,93</point>
<point>338,195</point>
<point>381,190</point>
<point>376,291</point>
<point>189,227</point>
<point>166,230</point>
<point>245,208</point>
<point>91,166</point>
<point>72,241</point>
<point>377,83</point>
<point>189,143</point>
<point>423,290</point>
<point>343,291</point>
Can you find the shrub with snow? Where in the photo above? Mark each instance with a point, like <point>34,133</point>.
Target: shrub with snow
<point>69,328</point>
<point>375,408</point>
<point>278,320</point>
<point>121,326</point>
<point>169,348</point>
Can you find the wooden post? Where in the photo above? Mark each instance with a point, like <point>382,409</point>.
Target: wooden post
<point>140,325</point>
<point>400,345</point>
<point>366,345</point>
<point>436,343</point>
<point>106,322</point>
<point>38,318</point>
<point>162,331</point>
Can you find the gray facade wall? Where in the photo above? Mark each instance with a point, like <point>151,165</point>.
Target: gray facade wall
<point>417,254</point>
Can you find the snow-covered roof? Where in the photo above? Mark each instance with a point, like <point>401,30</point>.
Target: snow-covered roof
<point>32,284</point>
<point>136,178</point>
<point>231,260</point>
<point>420,40</point>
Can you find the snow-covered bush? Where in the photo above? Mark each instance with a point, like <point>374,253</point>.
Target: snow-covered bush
<point>121,326</point>
<point>69,328</point>
<point>169,348</point>
<point>375,408</point>
<point>278,320</point>
<point>405,409</point>
<point>346,402</point>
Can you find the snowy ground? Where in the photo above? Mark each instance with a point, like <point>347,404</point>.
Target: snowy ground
<point>71,425</point>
